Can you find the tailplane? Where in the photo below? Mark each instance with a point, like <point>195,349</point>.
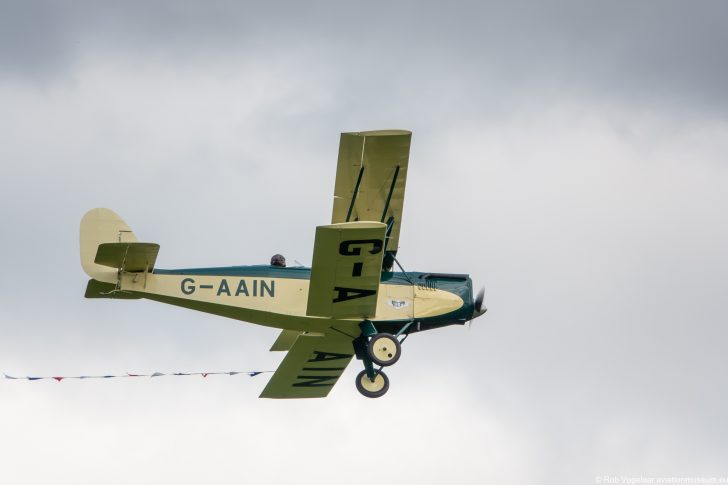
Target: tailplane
<point>109,247</point>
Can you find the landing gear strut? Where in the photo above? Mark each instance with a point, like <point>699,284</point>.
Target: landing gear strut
<point>382,349</point>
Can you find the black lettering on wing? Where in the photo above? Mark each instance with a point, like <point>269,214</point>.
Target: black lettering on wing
<point>345,248</point>
<point>345,294</point>
<point>316,381</point>
<point>320,356</point>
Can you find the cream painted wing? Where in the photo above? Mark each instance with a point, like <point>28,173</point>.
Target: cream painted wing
<point>370,180</point>
<point>346,269</point>
<point>311,368</point>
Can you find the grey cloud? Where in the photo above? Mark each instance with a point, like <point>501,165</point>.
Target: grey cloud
<point>552,159</point>
<point>645,53</point>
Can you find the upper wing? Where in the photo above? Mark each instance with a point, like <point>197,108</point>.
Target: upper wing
<point>311,368</point>
<point>370,179</point>
<point>346,268</point>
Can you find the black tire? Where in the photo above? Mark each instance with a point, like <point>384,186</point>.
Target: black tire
<point>362,379</point>
<point>384,349</point>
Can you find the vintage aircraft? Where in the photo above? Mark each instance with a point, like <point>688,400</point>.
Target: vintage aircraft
<point>349,303</point>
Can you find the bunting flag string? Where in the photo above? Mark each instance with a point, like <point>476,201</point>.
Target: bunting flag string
<point>128,374</point>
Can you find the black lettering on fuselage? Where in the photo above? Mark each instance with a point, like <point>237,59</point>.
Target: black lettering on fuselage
<point>242,289</point>
<point>223,288</point>
<point>261,288</point>
<point>270,289</point>
<point>187,286</point>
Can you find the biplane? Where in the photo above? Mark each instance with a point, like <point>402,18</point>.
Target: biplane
<point>349,303</point>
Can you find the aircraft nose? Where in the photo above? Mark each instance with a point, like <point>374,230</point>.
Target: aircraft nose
<point>478,305</point>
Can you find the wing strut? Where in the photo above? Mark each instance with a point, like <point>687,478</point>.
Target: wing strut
<point>356,192</point>
<point>388,254</point>
<point>391,190</point>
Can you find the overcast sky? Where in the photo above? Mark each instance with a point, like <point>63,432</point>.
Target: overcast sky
<point>570,156</point>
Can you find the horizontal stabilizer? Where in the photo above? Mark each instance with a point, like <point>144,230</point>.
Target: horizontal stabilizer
<point>128,256</point>
<point>99,289</point>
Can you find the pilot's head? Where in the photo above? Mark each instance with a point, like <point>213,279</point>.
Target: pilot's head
<point>278,260</point>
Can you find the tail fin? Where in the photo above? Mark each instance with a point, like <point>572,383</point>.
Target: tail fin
<point>101,226</point>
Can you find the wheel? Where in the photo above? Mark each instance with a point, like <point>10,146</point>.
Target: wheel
<point>384,349</point>
<point>369,388</point>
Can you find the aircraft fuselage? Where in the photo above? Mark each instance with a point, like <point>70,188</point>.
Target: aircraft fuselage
<point>277,297</point>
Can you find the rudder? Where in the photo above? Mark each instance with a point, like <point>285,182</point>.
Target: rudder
<point>99,226</point>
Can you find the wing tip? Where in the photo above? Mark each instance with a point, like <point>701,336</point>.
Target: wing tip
<point>390,132</point>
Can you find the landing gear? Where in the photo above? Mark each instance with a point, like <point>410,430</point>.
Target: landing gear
<point>377,348</point>
<point>376,387</point>
<point>384,349</point>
